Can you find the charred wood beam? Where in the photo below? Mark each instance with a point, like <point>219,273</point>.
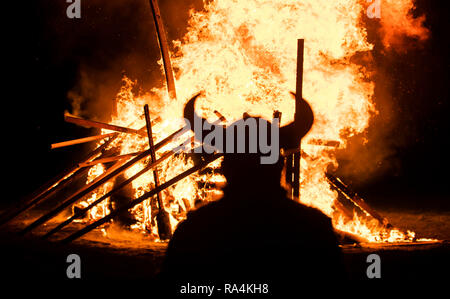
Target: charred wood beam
<point>83,211</point>
<point>289,172</point>
<point>220,116</point>
<point>164,47</point>
<point>299,94</point>
<point>158,146</point>
<point>152,151</point>
<point>61,185</point>
<point>54,183</point>
<point>296,177</point>
<point>277,114</point>
<point>322,142</point>
<point>162,217</point>
<point>109,174</point>
<point>80,140</point>
<point>100,125</point>
<point>96,124</point>
<point>356,199</point>
<point>339,205</point>
<point>109,159</point>
<point>59,181</point>
<point>147,195</point>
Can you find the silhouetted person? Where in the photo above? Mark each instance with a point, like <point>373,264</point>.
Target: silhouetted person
<point>255,232</point>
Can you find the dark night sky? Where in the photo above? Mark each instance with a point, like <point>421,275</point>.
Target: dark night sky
<point>47,55</point>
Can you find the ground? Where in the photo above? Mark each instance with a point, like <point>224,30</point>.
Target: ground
<point>131,256</point>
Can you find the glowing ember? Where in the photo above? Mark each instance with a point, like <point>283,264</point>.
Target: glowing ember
<point>242,54</point>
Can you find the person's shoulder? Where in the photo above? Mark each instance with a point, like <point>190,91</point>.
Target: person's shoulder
<point>308,212</point>
<point>205,209</point>
<point>198,215</point>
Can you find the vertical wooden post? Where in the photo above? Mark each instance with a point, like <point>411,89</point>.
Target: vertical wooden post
<point>277,114</point>
<point>289,174</point>
<point>164,47</point>
<point>299,92</point>
<point>162,218</point>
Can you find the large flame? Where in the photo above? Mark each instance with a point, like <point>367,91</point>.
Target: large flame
<point>242,54</point>
<point>397,21</point>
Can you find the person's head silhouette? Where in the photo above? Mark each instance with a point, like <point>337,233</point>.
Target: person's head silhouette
<point>251,145</point>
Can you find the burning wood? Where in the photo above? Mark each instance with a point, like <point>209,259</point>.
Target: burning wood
<point>55,183</point>
<point>356,199</point>
<point>293,160</point>
<point>81,212</point>
<point>327,143</point>
<point>164,46</point>
<point>243,74</point>
<point>277,114</point>
<point>162,217</point>
<point>81,140</point>
<point>299,96</point>
<point>138,182</point>
<point>220,116</point>
<point>109,159</point>
<point>100,125</point>
<point>139,200</point>
<point>119,167</point>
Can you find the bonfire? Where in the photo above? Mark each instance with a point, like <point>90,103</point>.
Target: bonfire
<point>244,57</point>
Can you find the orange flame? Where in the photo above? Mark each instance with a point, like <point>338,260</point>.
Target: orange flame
<point>242,54</point>
<point>397,21</point>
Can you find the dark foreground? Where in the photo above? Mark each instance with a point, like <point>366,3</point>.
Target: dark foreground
<point>30,258</point>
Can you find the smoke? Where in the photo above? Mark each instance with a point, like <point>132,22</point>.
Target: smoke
<point>399,23</point>
<point>372,154</point>
<point>397,36</point>
<point>110,40</point>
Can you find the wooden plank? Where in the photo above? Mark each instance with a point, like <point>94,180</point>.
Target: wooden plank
<point>326,143</point>
<point>162,217</point>
<point>84,210</point>
<point>164,157</point>
<point>115,170</point>
<point>80,140</point>
<point>96,124</point>
<point>109,159</point>
<point>299,93</point>
<point>137,201</point>
<point>220,116</point>
<point>299,79</point>
<point>152,152</point>
<point>54,184</point>
<point>356,199</point>
<point>290,174</point>
<point>164,46</point>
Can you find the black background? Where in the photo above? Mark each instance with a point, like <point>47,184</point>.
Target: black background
<point>46,55</point>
